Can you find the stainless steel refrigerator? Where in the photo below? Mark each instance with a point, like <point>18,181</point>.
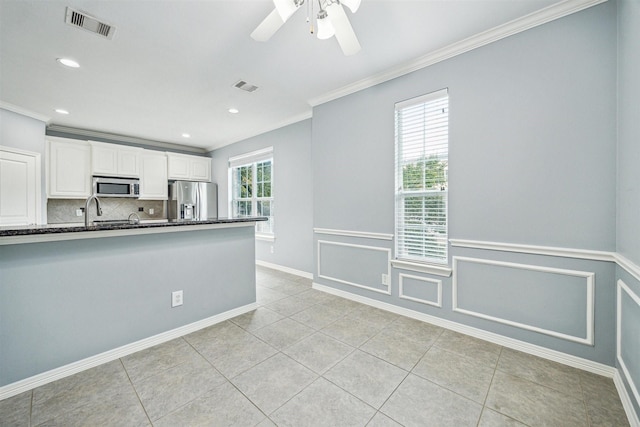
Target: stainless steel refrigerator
<point>192,201</point>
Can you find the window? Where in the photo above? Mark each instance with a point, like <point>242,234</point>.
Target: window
<point>251,187</point>
<point>422,161</point>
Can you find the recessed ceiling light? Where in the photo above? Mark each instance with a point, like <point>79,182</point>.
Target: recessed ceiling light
<point>186,135</point>
<point>68,62</point>
<point>61,111</point>
<point>233,110</point>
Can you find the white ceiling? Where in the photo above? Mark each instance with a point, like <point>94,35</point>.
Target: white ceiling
<point>171,66</point>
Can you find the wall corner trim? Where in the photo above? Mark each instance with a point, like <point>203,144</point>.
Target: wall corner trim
<point>630,266</point>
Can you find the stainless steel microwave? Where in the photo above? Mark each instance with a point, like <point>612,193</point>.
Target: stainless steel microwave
<point>104,186</point>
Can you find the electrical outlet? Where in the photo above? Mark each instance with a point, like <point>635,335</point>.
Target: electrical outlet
<point>385,279</point>
<point>176,299</point>
<point>78,212</point>
<point>271,248</point>
<point>140,209</point>
<point>151,211</point>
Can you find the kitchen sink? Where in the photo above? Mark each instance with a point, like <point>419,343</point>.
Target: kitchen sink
<point>112,222</point>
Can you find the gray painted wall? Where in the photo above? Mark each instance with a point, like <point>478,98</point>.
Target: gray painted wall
<point>61,302</point>
<point>25,133</point>
<point>532,161</point>
<point>629,130</point>
<point>292,192</point>
<point>628,226</point>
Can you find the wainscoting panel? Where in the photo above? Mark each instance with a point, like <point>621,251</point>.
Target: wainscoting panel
<point>420,289</point>
<point>628,336</point>
<point>356,265</point>
<point>551,301</point>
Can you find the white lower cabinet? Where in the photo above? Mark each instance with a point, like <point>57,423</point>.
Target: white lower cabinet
<point>153,176</point>
<point>69,166</point>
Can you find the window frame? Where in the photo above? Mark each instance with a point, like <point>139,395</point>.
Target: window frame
<point>253,159</point>
<point>429,151</point>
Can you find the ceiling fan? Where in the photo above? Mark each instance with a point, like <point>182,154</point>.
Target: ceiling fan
<point>331,20</point>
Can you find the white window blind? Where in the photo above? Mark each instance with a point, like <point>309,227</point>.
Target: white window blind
<point>251,187</point>
<point>422,162</point>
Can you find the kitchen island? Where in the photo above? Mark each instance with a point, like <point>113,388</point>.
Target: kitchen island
<point>74,297</point>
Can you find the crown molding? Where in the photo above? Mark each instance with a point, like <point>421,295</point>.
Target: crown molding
<point>24,112</point>
<point>500,32</point>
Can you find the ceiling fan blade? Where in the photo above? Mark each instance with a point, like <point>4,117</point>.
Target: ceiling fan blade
<point>344,31</point>
<point>268,27</point>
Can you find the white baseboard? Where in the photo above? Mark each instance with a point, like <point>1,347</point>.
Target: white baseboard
<point>626,400</point>
<point>556,356</point>
<point>282,268</point>
<point>38,380</point>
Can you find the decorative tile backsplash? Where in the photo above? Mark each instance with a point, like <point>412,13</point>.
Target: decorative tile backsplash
<point>61,211</point>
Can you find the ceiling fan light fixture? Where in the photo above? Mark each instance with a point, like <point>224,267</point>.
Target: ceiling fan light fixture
<point>325,28</point>
<point>353,5</point>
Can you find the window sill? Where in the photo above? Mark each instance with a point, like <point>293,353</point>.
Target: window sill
<point>438,270</point>
<point>266,237</point>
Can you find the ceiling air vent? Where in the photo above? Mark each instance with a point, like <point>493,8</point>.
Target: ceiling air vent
<point>89,23</point>
<point>242,85</point>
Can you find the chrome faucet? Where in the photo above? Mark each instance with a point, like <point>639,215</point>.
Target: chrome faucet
<point>134,218</point>
<point>86,208</point>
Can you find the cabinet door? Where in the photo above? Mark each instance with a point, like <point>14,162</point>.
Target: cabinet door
<point>153,177</point>
<point>19,188</point>
<point>200,169</point>
<point>104,159</point>
<point>128,163</point>
<point>69,169</point>
<point>178,166</point>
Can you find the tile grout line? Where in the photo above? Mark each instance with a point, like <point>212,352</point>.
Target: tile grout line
<point>135,391</point>
<point>229,379</point>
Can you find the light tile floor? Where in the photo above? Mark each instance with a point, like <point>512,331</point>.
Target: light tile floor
<point>307,358</point>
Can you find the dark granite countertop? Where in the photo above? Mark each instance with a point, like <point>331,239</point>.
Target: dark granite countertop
<point>27,230</point>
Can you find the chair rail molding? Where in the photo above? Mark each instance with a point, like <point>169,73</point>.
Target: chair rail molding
<point>349,233</point>
<point>535,250</point>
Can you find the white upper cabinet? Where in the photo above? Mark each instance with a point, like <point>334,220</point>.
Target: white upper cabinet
<point>153,176</point>
<point>19,187</point>
<point>115,160</point>
<point>69,169</point>
<point>189,168</point>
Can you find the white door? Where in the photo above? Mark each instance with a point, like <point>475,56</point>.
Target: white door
<point>19,187</point>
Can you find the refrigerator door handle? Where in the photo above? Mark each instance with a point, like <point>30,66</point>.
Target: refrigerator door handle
<point>196,215</point>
